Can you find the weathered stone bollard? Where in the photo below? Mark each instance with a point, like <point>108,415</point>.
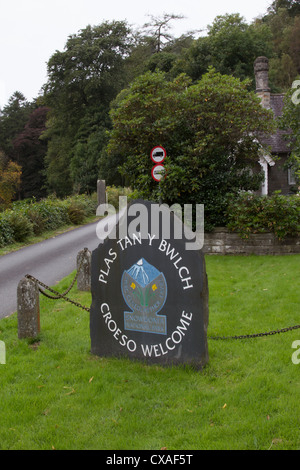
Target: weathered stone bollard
<point>101,192</point>
<point>28,309</point>
<point>84,258</point>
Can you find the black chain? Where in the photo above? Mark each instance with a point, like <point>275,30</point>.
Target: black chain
<point>256,335</point>
<point>58,295</point>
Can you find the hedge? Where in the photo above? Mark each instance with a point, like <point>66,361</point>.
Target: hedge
<point>31,217</point>
<point>277,214</point>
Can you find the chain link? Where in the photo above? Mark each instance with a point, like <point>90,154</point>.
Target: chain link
<point>58,295</point>
<point>63,296</point>
<point>256,335</point>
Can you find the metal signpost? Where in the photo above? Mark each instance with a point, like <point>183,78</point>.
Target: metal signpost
<point>158,155</point>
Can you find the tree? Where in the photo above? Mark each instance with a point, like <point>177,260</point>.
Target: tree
<point>211,131</point>
<point>13,118</point>
<point>10,179</point>
<point>231,47</point>
<point>158,27</point>
<point>290,123</point>
<point>292,7</point>
<point>30,151</point>
<point>82,80</point>
<point>283,20</point>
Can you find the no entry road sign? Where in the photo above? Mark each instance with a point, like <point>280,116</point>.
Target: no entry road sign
<point>158,154</point>
<point>158,172</point>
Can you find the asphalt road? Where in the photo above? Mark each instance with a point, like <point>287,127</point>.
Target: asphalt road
<point>49,261</point>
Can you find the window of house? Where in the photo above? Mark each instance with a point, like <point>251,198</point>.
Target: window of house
<point>291,176</point>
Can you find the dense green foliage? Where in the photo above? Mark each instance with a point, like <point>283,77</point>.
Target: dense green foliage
<point>231,46</point>
<point>211,131</point>
<point>291,120</point>
<point>28,218</point>
<point>82,81</point>
<point>258,214</point>
<point>61,139</point>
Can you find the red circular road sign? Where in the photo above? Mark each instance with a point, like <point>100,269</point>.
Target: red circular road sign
<point>158,154</point>
<point>158,172</point>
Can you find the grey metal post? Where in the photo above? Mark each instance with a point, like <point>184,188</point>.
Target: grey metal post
<point>28,309</point>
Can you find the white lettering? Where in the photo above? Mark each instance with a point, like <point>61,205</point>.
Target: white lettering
<point>156,350</point>
<point>118,331</point>
<point>112,253</point>
<point>101,279</point>
<point>171,252</point>
<point>112,326</point>
<point>187,286</point>
<point>163,245</point>
<point>180,270</point>
<point>150,239</point>
<point>119,242</point>
<point>118,460</point>
<point>147,351</point>
<point>176,262</point>
<point>188,316</point>
<point>131,345</point>
<point>179,337</point>
<point>102,308</point>
<point>136,238</point>
<point>296,354</point>
<point>2,353</point>
<point>296,94</point>
<point>167,344</point>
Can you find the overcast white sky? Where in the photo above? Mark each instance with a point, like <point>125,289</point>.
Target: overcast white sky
<point>32,30</point>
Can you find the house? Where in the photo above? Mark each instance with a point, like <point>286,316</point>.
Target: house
<point>277,177</point>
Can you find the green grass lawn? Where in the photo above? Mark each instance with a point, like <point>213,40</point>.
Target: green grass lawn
<point>55,395</point>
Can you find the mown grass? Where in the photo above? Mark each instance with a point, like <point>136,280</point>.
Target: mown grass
<point>56,395</point>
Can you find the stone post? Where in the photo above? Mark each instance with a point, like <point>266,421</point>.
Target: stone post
<point>84,259</point>
<point>101,192</point>
<point>28,309</point>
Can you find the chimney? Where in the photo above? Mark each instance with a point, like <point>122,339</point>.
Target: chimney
<point>261,70</point>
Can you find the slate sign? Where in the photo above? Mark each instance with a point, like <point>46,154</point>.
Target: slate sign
<point>149,298</point>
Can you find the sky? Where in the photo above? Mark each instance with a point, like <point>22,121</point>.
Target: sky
<point>32,30</point>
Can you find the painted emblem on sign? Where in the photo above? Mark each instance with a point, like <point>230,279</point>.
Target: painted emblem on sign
<point>144,289</point>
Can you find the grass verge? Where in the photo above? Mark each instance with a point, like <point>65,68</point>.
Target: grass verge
<point>55,395</point>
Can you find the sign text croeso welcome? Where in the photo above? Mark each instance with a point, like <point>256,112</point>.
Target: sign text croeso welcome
<point>150,300</point>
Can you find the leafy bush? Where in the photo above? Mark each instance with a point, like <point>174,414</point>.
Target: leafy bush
<point>114,192</point>
<point>29,217</point>
<point>54,212</point>
<point>258,214</point>
<point>76,213</point>
<point>37,220</point>
<point>88,203</point>
<point>6,231</point>
<point>21,226</point>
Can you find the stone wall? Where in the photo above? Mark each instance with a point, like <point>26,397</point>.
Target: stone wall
<point>223,242</point>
